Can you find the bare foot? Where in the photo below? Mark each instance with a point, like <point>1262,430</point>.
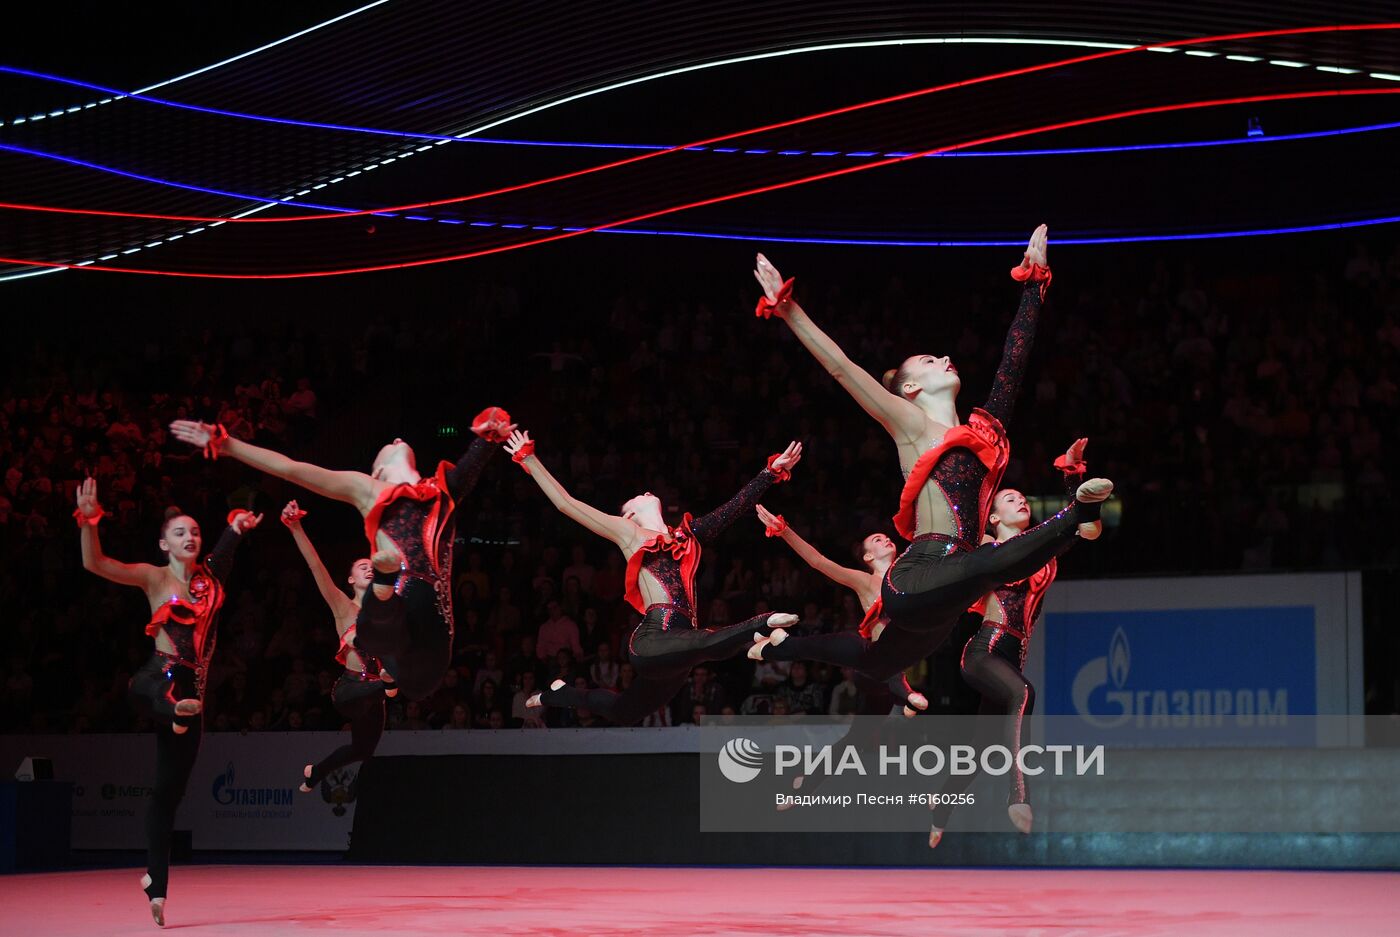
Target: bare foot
<point>306,784</point>
<point>760,641</point>
<point>1021,817</point>
<point>935,836</point>
<point>391,688</point>
<point>385,561</point>
<point>189,707</point>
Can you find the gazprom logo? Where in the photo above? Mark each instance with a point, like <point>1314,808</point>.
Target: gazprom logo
<point>1120,658</point>
<point>1105,698</point>
<point>227,795</point>
<point>740,760</point>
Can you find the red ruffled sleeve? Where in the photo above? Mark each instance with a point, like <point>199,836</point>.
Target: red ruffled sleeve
<point>481,424</point>
<point>781,473</point>
<point>776,528</point>
<point>766,307</point>
<point>1071,468</point>
<point>85,521</point>
<point>1034,273</point>
<point>217,437</point>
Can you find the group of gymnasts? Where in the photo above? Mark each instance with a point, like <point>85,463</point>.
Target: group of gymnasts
<point>971,545</point>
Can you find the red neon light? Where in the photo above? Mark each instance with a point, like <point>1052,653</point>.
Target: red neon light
<point>202,219</point>
<point>1013,134</point>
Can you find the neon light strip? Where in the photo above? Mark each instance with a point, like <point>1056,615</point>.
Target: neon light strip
<point>404,155</point>
<point>1066,151</point>
<point>112,170</point>
<point>140,95</point>
<point>743,133</point>
<point>117,95</point>
<point>715,200</point>
<point>1059,241</point>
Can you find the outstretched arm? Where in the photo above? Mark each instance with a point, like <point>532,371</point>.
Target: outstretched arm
<point>492,427</point>
<point>900,418</point>
<point>1034,272</point>
<point>338,601</point>
<point>850,578</point>
<point>89,512</point>
<point>1072,466</point>
<point>220,562</point>
<point>354,488</point>
<point>711,525</point>
<point>522,449</point>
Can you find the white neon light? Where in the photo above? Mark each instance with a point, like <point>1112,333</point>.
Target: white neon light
<point>874,43</point>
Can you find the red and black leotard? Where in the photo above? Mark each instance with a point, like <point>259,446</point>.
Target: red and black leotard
<point>1018,603</point>
<point>668,642</point>
<point>165,679</point>
<point>411,632</point>
<point>191,625</point>
<point>993,660</point>
<point>938,576</point>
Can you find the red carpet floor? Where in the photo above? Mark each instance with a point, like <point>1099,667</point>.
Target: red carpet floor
<point>579,902</point>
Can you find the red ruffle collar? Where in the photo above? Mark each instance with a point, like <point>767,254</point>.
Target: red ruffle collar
<point>425,489</point>
<point>680,542</point>
<point>984,435</point>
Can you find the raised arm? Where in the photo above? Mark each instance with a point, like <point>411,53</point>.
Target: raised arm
<point>852,579</point>
<point>220,561</point>
<point>1072,466</point>
<point>88,514</point>
<point>900,418</point>
<point>522,449</point>
<point>1034,273</point>
<point>779,468</point>
<point>354,488</point>
<point>492,427</point>
<point>338,601</point>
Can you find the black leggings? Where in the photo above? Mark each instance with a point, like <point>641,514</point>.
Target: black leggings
<point>883,661</point>
<point>930,586</point>
<point>625,708</point>
<point>991,666</point>
<point>925,594</point>
<point>666,644</point>
<point>154,692</point>
<point>663,648</point>
<point>361,703</point>
<point>409,635</point>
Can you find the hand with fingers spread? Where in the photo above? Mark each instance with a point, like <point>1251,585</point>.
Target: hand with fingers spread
<point>784,462</point>
<point>519,445</point>
<point>1074,455</point>
<point>245,522</point>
